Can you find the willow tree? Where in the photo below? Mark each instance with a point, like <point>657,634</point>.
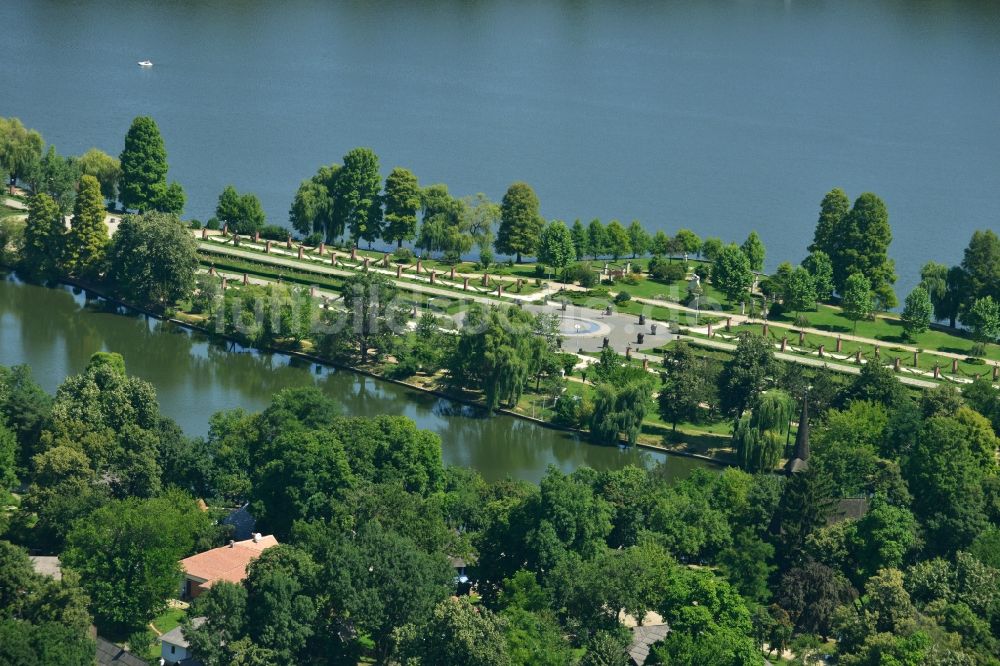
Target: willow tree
<point>759,437</point>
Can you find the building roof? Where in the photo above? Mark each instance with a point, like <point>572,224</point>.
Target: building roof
<point>227,563</point>
<point>176,635</point>
<point>848,508</point>
<point>47,565</point>
<point>109,654</point>
<point>643,637</point>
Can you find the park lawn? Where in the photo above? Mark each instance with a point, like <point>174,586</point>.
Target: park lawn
<point>888,328</point>
<point>443,281</point>
<point>11,212</point>
<point>709,439</point>
<point>926,359</point>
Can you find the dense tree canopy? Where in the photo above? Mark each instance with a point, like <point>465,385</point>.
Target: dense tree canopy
<point>152,259</point>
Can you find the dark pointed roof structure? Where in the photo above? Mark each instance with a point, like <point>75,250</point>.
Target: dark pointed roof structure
<point>800,459</point>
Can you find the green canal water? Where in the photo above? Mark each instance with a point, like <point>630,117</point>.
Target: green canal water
<point>55,331</point>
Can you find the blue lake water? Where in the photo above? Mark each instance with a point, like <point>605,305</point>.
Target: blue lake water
<point>722,116</point>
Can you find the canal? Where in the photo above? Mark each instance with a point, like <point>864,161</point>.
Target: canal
<point>55,331</point>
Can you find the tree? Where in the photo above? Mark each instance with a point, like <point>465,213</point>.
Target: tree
<point>948,474</point>
<point>303,475</point>
<point>356,191</point>
<point>402,199</point>
<point>447,222</point>
<point>456,633</point>
<point>828,235</point>
<point>884,538</point>
<point>759,437</point>
<point>173,200</point>
<point>711,248</point>
<point>799,291</point>
<point>372,316</point>
<point>127,554</point>
<point>143,182</point>
<point>152,259</point>
<point>688,241</point>
<point>618,240</point>
<point>581,242</point>
<point>478,217</point>
<point>811,593</point>
<point>378,579</point>
<point>660,244</point>
<point>87,241</point>
<point>224,607</point>
<point>314,209</point>
<point>620,409</point>
<point>857,301</point>
<point>981,267</point>
<point>105,168</point>
<point>984,319</point>
<point>24,643</point>
<point>555,248</point>
<point>684,385</point>
<point>44,235</point>
<point>866,238</point>
<point>227,210</point>
<point>520,222</point>
<point>8,459</point>
<point>731,273</point>
<point>746,375</point>
<point>638,239</point>
<point>917,312</point>
<point>945,287</point>
<point>806,503</point>
<point>57,177</point>
<point>251,214</point>
<point>281,605</point>
<point>753,248</point>
<point>821,269</point>
<point>20,150</point>
<point>597,238</point>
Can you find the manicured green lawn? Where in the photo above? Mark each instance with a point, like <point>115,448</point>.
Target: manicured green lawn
<point>887,328</point>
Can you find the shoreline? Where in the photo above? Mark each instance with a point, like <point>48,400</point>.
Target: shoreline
<point>305,356</point>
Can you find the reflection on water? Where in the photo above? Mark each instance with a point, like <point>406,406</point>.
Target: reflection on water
<point>56,330</point>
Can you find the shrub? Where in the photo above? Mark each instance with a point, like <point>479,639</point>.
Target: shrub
<point>599,292</point>
<point>665,271</point>
<point>632,279</point>
<point>212,224</point>
<point>195,224</point>
<point>406,367</point>
<point>403,255</point>
<point>539,270</point>
<point>273,232</point>
<point>978,350</point>
<point>802,321</point>
<point>313,239</point>
<point>580,273</point>
<point>622,297</point>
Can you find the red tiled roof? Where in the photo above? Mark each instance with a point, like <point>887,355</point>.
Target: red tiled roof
<point>226,563</point>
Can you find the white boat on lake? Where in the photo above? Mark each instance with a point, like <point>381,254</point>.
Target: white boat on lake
<point>145,63</point>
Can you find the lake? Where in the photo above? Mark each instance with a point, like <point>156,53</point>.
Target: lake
<point>721,116</point>
<point>55,331</point>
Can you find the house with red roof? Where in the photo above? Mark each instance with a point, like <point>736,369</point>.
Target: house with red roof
<point>227,563</point>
